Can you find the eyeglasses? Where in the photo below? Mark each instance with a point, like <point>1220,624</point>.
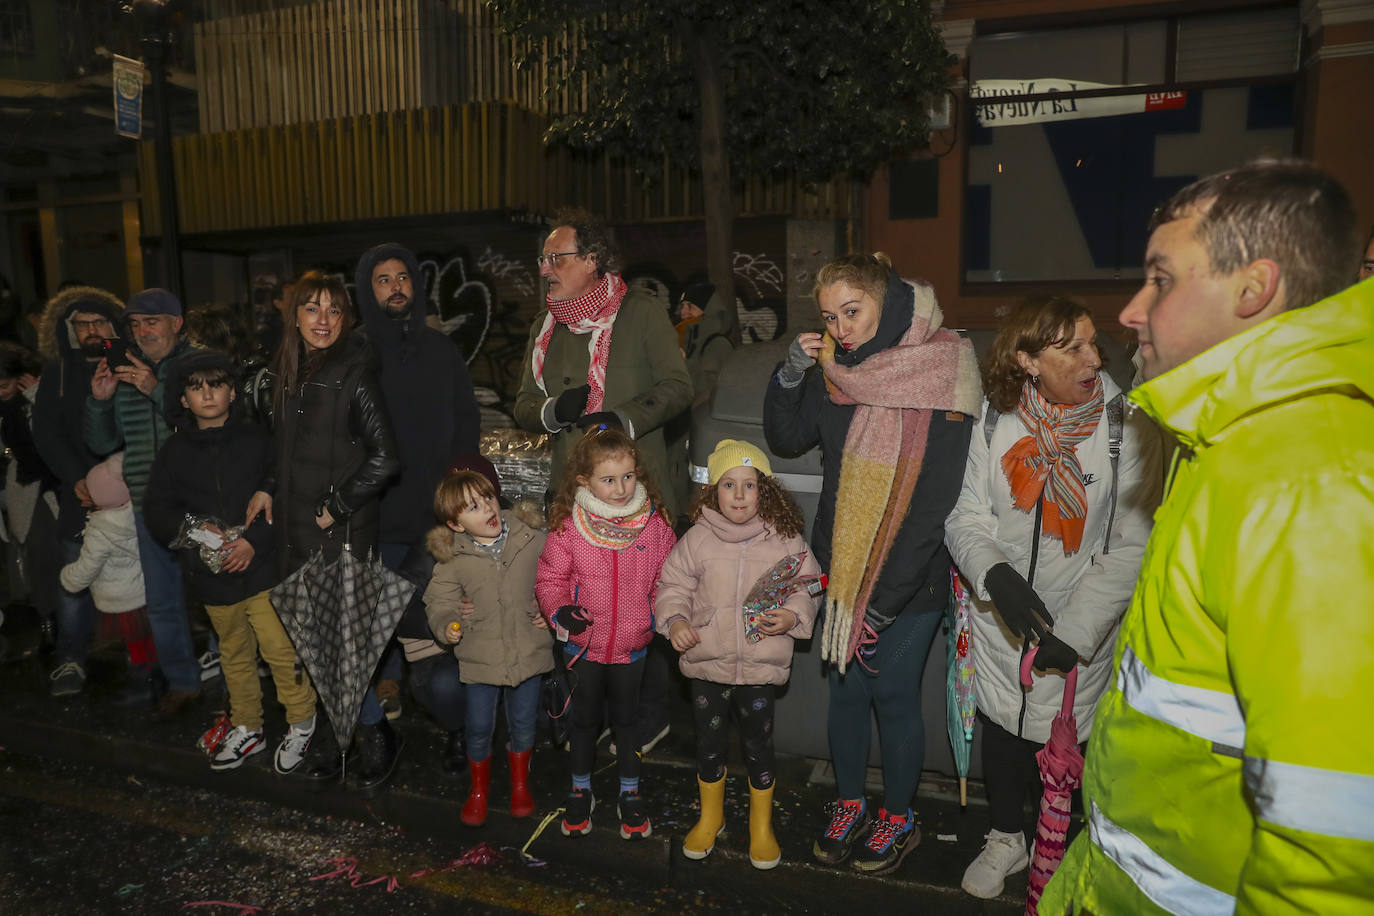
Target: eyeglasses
<point>93,323</point>
<point>552,259</point>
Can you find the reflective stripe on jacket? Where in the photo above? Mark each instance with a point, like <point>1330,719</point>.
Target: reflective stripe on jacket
<point>1232,766</point>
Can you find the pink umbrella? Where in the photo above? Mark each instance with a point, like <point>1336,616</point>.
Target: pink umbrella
<point>1061,770</point>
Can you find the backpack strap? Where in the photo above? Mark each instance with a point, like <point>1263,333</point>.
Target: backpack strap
<point>1115,421</point>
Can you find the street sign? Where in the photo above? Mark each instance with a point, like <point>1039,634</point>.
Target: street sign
<point>128,96</point>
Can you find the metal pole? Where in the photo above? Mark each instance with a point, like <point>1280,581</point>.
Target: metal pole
<point>155,47</point>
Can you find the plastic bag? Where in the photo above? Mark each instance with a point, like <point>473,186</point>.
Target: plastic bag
<point>210,536</point>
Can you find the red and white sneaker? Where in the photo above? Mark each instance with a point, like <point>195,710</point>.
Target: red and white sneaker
<point>239,745</point>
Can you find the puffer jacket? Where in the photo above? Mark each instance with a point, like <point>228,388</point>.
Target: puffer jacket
<point>501,645</point>
<point>1085,592</point>
<point>334,448</point>
<point>1232,767</point>
<point>134,422</point>
<point>616,586</point>
<point>59,411</point>
<point>647,383</point>
<point>428,394</point>
<point>108,564</point>
<point>705,581</point>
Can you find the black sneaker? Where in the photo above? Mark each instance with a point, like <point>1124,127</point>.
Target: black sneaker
<point>577,816</point>
<point>67,680</point>
<point>889,839</point>
<point>634,824</point>
<point>847,821</point>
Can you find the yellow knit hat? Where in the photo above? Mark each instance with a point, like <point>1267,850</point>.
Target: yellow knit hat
<point>734,453</point>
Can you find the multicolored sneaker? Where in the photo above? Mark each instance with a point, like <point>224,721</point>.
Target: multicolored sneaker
<point>889,839</point>
<point>634,824</point>
<point>847,819</point>
<point>577,816</point>
<point>239,745</point>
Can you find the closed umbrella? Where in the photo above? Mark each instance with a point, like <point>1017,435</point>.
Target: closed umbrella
<point>1061,771</point>
<point>960,702</point>
<point>340,616</point>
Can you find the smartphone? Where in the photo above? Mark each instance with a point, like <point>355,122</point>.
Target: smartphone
<point>116,352</point>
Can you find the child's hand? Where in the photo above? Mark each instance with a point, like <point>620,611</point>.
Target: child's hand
<point>453,633</point>
<point>466,607</point>
<point>682,636</point>
<point>239,556</point>
<point>777,622</point>
<point>573,617</point>
<point>539,622</point>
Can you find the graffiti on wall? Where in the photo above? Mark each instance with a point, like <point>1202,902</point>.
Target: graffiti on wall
<point>760,292</point>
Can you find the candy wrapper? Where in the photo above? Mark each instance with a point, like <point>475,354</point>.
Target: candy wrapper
<point>210,536</point>
<point>773,588</point>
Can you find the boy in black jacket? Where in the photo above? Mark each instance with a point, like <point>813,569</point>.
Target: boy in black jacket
<point>200,486</point>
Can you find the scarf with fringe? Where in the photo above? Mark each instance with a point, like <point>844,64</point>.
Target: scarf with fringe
<point>593,313</point>
<point>1046,462</point>
<point>613,527</point>
<point>897,390</point>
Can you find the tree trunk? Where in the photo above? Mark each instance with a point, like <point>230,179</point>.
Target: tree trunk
<point>715,167</point>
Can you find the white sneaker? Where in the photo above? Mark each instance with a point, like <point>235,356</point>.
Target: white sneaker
<point>292,749</point>
<point>237,747</point>
<point>209,665</point>
<point>1003,854</point>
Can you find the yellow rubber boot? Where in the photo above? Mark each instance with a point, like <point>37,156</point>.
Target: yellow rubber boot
<point>763,846</point>
<point>701,839</point>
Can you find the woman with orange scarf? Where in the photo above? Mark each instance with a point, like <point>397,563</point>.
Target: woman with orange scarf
<point>1048,533</point>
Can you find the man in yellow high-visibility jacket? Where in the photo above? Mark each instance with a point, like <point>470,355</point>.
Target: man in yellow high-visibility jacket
<point>1231,766</point>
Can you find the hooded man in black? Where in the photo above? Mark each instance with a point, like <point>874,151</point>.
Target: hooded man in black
<point>71,339</point>
<point>429,398</point>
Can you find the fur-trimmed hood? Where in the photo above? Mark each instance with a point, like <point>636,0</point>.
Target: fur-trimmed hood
<point>55,336</point>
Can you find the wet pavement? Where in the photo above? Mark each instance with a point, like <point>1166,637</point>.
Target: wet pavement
<point>103,810</point>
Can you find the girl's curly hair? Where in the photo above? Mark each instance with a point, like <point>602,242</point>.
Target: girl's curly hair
<point>776,506</point>
<point>592,449</point>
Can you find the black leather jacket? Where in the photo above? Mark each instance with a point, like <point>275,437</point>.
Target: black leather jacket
<point>335,450</point>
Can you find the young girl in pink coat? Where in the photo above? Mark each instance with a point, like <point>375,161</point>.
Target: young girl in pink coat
<point>608,538</point>
<point>745,525</point>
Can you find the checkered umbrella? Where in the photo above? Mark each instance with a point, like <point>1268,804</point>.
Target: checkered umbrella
<point>340,616</point>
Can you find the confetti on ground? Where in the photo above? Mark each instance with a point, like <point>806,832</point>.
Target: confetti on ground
<point>128,889</point>
<point>348,868</point>
<point>238,907</point>
<point>947,837</point>
<point>481,854</point>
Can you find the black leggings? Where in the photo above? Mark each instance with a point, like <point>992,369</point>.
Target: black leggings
<point>753,707</point>
<point>594,684</point>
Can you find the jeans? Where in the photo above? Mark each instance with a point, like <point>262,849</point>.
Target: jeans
<point>435,683</point>
<point>522,707</point>
<point>894,694</point>
<point>167,611</point>
<point>75,613</point>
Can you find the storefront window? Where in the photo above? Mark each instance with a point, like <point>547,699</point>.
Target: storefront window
<point>1078,134</point>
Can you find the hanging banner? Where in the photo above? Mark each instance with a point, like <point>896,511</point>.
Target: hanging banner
<point>128,96</point>
<point>1011,112</point>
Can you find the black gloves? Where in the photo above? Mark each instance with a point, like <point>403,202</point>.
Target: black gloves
<point>570,404</point>
<point>572,617</point>
<point>1054,653</point>
<point>607,418</point>
<point>1019,605</point>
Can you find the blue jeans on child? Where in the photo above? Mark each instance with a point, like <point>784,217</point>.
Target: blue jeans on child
<point>522,707</point>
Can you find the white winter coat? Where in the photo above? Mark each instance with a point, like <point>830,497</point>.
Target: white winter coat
<point>1086,592</point>
<point>108,564</point>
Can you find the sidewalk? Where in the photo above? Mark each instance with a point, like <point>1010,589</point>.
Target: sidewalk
<point>89,728</point>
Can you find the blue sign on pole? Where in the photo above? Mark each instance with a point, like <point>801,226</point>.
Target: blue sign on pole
<point>128,96</point>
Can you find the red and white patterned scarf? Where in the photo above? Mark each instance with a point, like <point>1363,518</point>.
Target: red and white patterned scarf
<point>594,314</point>
<point>1046,461</point>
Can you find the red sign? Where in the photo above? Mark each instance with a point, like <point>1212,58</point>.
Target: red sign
<point>1160,101</point>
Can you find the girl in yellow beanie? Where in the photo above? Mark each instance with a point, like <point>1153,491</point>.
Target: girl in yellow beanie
<point>737,649</point>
